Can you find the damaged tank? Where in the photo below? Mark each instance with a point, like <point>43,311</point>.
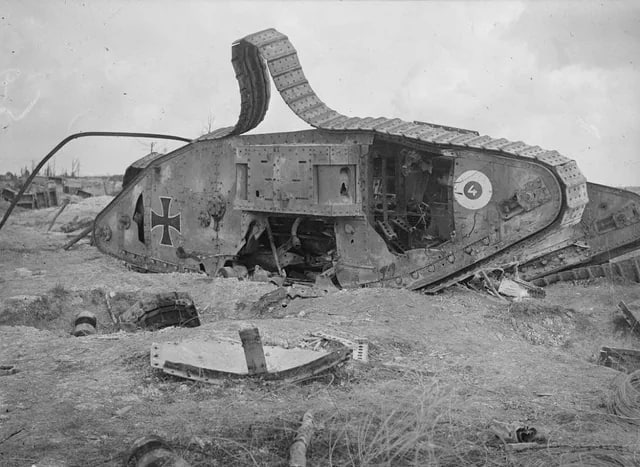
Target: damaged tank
<point>360,201</point>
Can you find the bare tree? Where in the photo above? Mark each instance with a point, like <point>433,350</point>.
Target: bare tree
<point>75,168</point>
<point>210,121</point>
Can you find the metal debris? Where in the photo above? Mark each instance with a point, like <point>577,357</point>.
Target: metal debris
<point>282,296</point>
<point>497,283</point>
<point>631,316</point>
<point>160,311</point>
<point>519,289</point>
<point>511,433</point>
<point>153,451</point>
<point>360,346</point>
<point>6,370</point>
<point>85,324</point>
<point>215,359</point>
<point>625,360</point>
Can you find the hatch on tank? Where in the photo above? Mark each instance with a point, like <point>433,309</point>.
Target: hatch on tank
<point>411,196</point>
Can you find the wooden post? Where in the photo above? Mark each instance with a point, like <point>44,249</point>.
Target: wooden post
<point>253,351</point>
<point>274,250</point>
<point>298,450</point>
<point>109,309</point>
<point>64,205</point>
<point>78,237</point>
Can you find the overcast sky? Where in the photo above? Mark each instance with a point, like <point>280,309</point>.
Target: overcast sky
<point>561,75</point>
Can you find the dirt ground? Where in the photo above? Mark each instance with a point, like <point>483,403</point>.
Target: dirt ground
<point>444,370</point>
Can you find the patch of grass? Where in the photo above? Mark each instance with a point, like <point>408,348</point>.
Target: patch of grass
<point>400,431</point>
<point>381,424</point>
<point>58,292</point>
<point>96,296</point>
<point>40,309</point>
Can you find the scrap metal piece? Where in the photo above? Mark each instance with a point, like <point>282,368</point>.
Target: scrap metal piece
<point>625,360</point>
<point>631,317</point>
<point>162,310</point>
<point>360,346</point>
<point>329,337</point>
<point>85,324</point>
<point>6,370</point>
<point>511,433</point>
<point>211,360</point>
<point>519,289</point>
<point>361,352</point>
<point>153,451</point>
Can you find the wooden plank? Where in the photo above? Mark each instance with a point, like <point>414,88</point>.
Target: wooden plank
<point>78,237</point>
<point>253,351</point>
<point>64,205</point>
<point>298,450</point>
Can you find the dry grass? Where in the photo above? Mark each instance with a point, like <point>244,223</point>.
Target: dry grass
<point>364,423</point>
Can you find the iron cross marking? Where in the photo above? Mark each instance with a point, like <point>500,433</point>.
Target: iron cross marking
<point>166,221</point>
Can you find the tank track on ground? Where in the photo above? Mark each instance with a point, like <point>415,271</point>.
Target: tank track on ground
<point>610,227</point>
<point>256,56</point>
<point>628,269</point>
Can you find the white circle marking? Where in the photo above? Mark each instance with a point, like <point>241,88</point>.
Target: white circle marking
<point>472,189</point>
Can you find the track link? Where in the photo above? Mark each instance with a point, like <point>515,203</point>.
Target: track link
<point>628,269</point>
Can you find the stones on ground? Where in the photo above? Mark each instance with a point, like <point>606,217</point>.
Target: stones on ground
<point>24,272</point>
<point>260,275</point>
<point>23,299</point>
<point>123,410</point>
